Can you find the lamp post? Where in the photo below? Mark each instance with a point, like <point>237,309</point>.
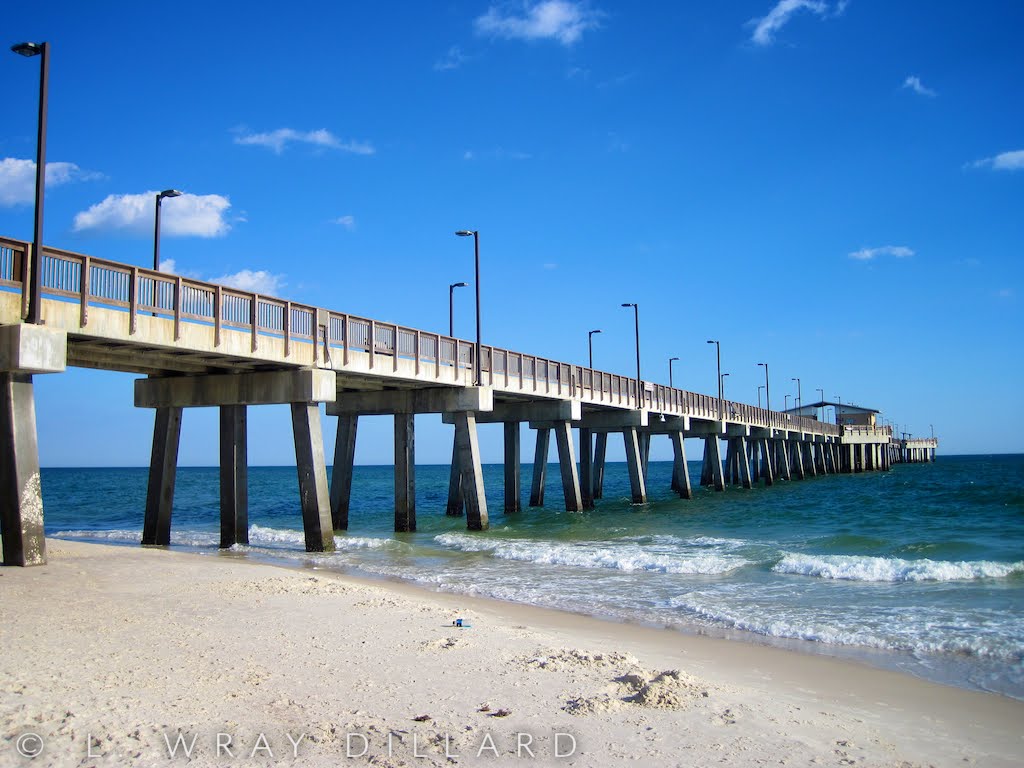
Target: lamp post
<point>785,402</point>
<point>759,388</point>
<point>451,306</point>
<point>670,361</point>
<point>35,265</point>
<point>839,408</point>
<point>821,392</point>
<point>718,354</point>
<point>932,427</point>
<point>156,226</point>
<point>721,383</point>
<point>799,397</point>
<point>636,325</point>
<point>590,345</point>
<point>767,391</point>
<point>476,261</point>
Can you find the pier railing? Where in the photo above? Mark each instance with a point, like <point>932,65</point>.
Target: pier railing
<point>91,281</point>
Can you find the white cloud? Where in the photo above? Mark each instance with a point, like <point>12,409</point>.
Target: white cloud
<point>254,281</point>
<point>278,139</point>
<point>18,179</point>
<point>1005,161</point>
<point>867,254</point>
<point>453,59</point>
<point>561,20</point>
<point>766,26</point>
<point>348,222</point>
<point>188,215</point>
<point>913,82</point>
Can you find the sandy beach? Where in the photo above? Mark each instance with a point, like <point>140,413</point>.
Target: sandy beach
<point>128,656</point>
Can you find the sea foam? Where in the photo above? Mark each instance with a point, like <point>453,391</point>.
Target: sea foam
<point>891,569</point>
<point>620,556</point>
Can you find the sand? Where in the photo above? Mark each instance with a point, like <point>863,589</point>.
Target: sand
<point>112,656</point>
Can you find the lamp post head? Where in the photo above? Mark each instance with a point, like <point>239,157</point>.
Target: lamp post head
<point>465,233</point>
<point>724,375</point>
<point>672,358</point>
<point>168,193</point>
<point>459,285</point>
<point>764,364</point>
<point>629,305</point>
<point>596,330</point>
<point>28,49</point>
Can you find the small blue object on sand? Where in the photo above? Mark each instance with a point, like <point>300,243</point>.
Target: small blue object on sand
<point>459,623</point>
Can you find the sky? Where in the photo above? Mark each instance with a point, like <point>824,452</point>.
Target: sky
<point>835,188</point>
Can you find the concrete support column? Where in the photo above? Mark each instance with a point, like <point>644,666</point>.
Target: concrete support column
<point>455,500</point>
<point>638,488</point>
<point>767,470</point>
<point>796,448</point>
<point>513,468</point>
<point>21,500</point>
<point>705,466</point>
<point>743,460</point>
<point>25,349</point>
<point>163,467</point>
<point>312,472</point>
<point>645,452</point>
<point>755,460</point>
<point>234,476</point>
<point>600,450</point>
<point>713,457</point>
<point>782,459</point>
<point>341,471</point>
<point>729,473</point>
<point>586,468</point>
<point>851,459</point>
<point>808,456</point>
<point>859,467</point>
<point>680,471</point>
<point>472,471</point>
<point>540,467</point>
<point>567,465</point>
<point>405,472</point>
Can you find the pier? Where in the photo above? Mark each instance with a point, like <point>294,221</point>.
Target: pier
<point>198,344</point>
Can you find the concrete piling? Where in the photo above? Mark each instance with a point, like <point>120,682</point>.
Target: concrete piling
<point>234,476</point>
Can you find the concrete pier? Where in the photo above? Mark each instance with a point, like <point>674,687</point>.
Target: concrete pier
<point>234,469</point>
<point>405,472</point>
<point>513,468</point>
<point>302,389</point>
<point>25,350</point>
<point>341,470</point>
<point>540,467</point>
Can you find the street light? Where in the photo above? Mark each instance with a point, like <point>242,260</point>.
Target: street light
<point>670,361</point>
<point>759,388</point>
<point>590,345</point>
<point>785,402</point>
<point>799,397</point>
<point>721,383</point>
<point>767,391</point>
<point>718,353</point>
<point>636,324</point>
<point>35,265</point>
<point>476,261</point>
<point>821,392</point>
<point>839,407</point>
<point>451,306</point>
<point>156,227</point>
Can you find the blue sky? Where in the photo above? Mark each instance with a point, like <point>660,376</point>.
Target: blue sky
<point>833,187</point>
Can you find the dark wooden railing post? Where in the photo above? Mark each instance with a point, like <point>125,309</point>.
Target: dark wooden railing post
<point>177,306</point>
<point>254,315</point>
<point>83,281</point>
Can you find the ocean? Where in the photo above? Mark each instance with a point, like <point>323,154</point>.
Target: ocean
<point>919,569</point>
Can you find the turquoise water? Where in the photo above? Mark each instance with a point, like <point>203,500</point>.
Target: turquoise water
<point>920,568</point>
